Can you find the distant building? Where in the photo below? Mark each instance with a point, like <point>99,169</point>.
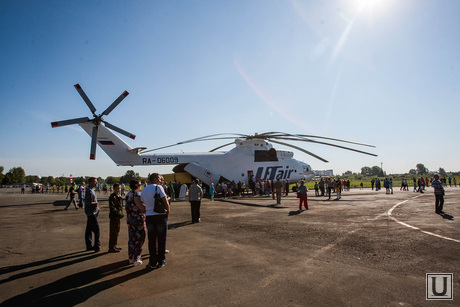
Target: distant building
<point>328,172</point>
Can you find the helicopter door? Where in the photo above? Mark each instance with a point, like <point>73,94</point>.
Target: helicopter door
<point>204,174</point>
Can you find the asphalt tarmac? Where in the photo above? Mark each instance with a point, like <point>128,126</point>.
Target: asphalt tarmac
<point>367,249</point>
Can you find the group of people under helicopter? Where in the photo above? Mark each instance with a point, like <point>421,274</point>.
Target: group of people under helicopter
<point>254,187</point>
<point>328,186</point>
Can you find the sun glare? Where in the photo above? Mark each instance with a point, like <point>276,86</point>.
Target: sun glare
<point>372,6</point>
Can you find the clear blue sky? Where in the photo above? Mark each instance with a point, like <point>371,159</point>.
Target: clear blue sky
<point>383,72</point>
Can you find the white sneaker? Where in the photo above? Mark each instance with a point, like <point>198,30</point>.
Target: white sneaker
<point>137,262</point>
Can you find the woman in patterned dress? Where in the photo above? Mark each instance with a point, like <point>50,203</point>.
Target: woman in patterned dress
<point>135,218</point>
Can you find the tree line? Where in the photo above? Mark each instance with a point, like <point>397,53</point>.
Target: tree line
<point>419,170</point>
<point>17,175</point>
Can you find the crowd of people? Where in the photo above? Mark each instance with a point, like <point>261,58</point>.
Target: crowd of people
<point>325,187</point>
<point>146,216</point>
<point>47,188</point>
<point>147,211</point>
<point>328,186</point>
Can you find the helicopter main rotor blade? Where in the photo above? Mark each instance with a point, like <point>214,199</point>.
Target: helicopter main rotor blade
<point>301,149</point>
<point>212,135</point>
<point>328,144</point>
<point>191,141</point>
<point>70,122</point>
<point>274,137</point>
<point>332,139</point>
<point>85,98</point>
<point>115,103</point>
<point>212,150</point>
<point>119,130</point>
<point>270,135</point>
<point>92,154</point>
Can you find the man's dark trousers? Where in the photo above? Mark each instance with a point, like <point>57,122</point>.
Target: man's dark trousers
<point>195,206</point>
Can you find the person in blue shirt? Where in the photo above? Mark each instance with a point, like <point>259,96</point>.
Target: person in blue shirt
<point>302,194</point>
<point>211,191</point>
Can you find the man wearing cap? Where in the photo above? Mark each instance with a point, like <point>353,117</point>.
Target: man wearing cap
<point>439,194</point>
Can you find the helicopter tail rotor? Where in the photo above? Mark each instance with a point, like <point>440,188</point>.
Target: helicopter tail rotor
<point>96,121</point>
<point>115,103</point>
<point>85,98</point>
<point>92,154</point>
<point>70,122</point>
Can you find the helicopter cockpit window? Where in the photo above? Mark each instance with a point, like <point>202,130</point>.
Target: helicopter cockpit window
<point>265,155</point>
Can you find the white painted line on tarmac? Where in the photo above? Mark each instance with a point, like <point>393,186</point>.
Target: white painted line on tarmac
<point>413,227</point>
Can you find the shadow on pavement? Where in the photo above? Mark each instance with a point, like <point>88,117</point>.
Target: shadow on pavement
<point>76,288</point>
<point>31,205</point>
<point>297,212</point>
<point>77,257</point>
<point>60,203</point>
<point>274,206</point>
<point>178,225</point>
<point>14,268</point>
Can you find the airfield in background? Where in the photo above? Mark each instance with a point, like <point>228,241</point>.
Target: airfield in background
<point>247,251</point>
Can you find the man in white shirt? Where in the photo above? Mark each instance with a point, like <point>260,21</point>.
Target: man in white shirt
<point>156,221</point>
<point>195,194</point>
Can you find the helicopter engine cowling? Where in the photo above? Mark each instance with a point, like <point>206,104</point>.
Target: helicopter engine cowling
<point>202,173</point>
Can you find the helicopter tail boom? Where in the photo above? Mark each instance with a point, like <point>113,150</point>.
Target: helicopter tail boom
<point>119,151</point>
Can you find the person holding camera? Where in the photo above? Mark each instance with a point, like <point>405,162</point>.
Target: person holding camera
<point>157,210</point>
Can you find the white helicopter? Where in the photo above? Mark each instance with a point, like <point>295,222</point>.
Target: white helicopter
<point>253,157</point>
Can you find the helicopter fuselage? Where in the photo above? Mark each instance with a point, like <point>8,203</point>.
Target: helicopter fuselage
<point>255,159</point>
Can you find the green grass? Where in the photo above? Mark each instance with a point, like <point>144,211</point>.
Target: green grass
<point>366,184</point>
